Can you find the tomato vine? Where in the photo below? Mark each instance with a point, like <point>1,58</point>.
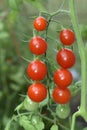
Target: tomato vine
<point>51,86</point>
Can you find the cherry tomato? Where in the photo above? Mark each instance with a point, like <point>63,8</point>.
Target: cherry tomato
<point>38,45</point>
<point>67,37</point>
<point>54,127</point>
<point>63,110</point>
<point>37,70</point>
<point>65,58</point>
<point>63,78</point>
<point>30,105</point>
<point>61,96</point>
<point>37,92</point>
<point>40,23</point>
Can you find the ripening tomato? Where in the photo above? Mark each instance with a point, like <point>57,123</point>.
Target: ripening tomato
<point>40,23</point>
<point>37,70</point>
<point>38,45</point>
<point>63,78</point>
<point>67,37</point>
<point>61,96</point>
<point>37,92</point>
<point>65,58</point>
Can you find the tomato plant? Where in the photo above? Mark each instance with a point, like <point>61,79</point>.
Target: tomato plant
<point>63,77</point>
<point>37,70</point>
<point>61,96</point>
<point>67,37</point>
<point>37,92</point>
<point>44,102</point>
<point>65,58</point>
<point>40,23</point>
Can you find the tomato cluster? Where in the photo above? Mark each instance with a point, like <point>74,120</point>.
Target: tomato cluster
<point>62,76</point>
<point>37,69</point>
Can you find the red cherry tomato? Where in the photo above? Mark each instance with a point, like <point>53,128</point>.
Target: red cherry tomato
<point>40,23</point>
<point>63,78</point>
<point>67,37</point>
<point>37,92</point>
<point>38,45</point>
<point>37,70</point>
<point>61,96</point>
<point>65,58</point>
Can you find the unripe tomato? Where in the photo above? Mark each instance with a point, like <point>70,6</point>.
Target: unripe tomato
<point>67,37</point>
<point>63,78</point>
<point>65,58</point>
<point>37,92</point>
<point>37,45</point>
<point>40,23</point>
<point>63,110</point>
<point>30,105</point>
<point>61,96</point>
<point>54,127</point>
<point>37,70</point>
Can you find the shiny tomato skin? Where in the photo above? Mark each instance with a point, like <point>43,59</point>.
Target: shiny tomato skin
<point>37,70</point>
<point>63,77</point>
<point>40,23</point>
<point>61,96</point>
<point>66,58</point>
<point>67,37</point>
<point>38,45</point>
<point>37,92</point>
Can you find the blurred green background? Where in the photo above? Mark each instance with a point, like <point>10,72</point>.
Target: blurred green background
<point>15,31</point>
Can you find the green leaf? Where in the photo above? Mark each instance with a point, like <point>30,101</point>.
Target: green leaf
<point>54,127</point>
<point>25,123</point>
<point>37,4</point>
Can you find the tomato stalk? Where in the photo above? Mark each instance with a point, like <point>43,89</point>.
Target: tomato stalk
<point>82,110</point>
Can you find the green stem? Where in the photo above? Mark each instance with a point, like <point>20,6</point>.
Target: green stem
<point>74,119</point>
<point>60,11</point>
<point>82,53</point>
